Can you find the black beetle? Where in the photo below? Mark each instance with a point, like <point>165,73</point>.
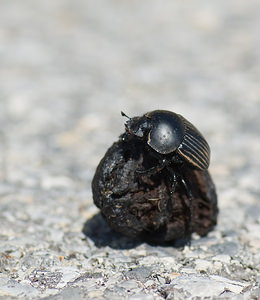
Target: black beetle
<point>171,136</point>
<point>173,140</point>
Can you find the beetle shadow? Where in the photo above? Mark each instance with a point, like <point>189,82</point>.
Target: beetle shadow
<point>102,235</point>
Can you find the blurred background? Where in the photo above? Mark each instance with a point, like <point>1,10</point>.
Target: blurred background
<point>67,69</point>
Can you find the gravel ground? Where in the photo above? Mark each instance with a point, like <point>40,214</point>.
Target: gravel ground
<point>67,68</point>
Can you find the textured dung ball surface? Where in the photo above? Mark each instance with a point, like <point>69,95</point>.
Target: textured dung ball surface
<point>142,206</point>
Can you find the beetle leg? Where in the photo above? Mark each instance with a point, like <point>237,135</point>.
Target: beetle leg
<point>190,197</point>
<point>174,183</point>
<point>153,170</point>
<point>174,179</point>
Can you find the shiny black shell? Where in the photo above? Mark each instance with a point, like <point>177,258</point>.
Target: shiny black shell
<point>169,133</point>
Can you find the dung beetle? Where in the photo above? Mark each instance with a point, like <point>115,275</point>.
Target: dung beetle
<point>174,141</point>
<point>172,137</point>
<point>153,182</point>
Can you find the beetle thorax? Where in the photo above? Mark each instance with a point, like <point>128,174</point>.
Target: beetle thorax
<point>162,130</point>
<point>166,132</point>
<point>164,138</point>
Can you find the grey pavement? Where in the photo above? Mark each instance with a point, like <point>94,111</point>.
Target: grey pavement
<point>67,69</point>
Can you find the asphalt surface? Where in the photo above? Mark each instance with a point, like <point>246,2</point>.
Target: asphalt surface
<point>67,69</point>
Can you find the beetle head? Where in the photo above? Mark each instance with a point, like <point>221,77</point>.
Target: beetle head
<point>138,126</point>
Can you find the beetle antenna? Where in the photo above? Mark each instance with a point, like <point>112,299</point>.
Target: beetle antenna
<point>124,115</point>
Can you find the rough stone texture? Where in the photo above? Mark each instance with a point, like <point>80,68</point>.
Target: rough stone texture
<point>67,68</point>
